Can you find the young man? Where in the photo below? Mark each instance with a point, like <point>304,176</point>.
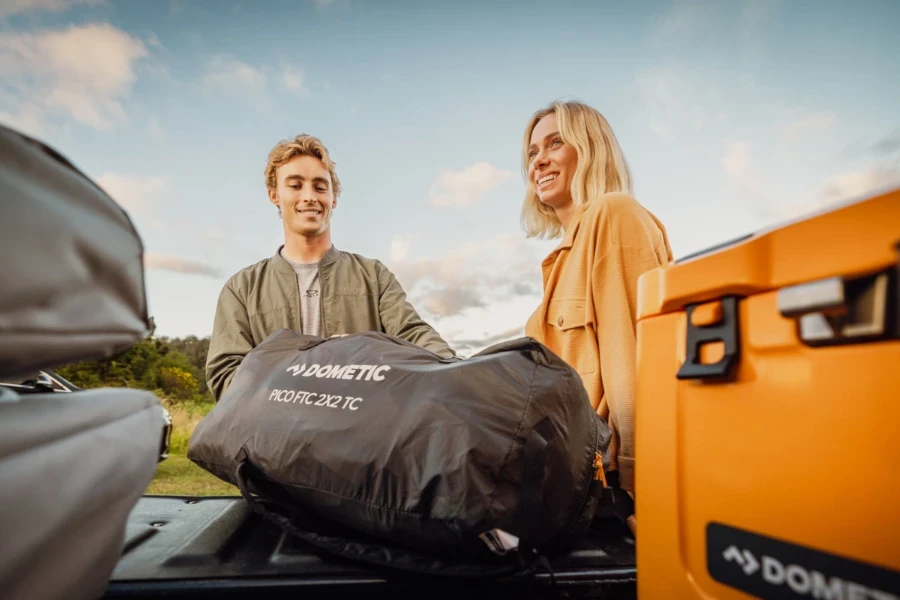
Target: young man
<point>308,286</point>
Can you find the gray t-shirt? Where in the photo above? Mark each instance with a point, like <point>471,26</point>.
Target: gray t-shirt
<point>310,290</point>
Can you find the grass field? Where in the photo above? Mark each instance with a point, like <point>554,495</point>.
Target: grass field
<point>177,476</point>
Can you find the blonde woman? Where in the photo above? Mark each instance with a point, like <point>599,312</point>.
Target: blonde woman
<point>579,188</point>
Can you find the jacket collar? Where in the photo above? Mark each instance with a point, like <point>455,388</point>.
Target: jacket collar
<point>568,238</point>
<point>283,266</point>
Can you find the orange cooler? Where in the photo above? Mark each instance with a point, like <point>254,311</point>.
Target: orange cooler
<point>768,414</point>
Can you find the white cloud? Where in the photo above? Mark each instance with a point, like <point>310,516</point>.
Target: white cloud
<point>213,236</point>
<point>768,204</point>
<point>226,73</point>
<point>869,147</point>
<point>680,97</point>
<point>857,184</point>
<point>683,20</point>
<point>888,144</point>
<point>807,125</point>
<point>466,187</point>
<point>292,78</point>
<point>400,245</point>
<point>838,190</point>
<point>154,128</point>
<point>18,7</point>
<point>773,208</point>
<point>136,194</point>
<point>27,120</point>
<point>884,146</point>
<point>152,260</point>
<point>679,101</point>
<point>469,346</point>
<point>83,72</point>
<point>737,160</point>
<point>473,275</point>
<point>748,182</point>
<point>500,319</point>
<point>449,301</point>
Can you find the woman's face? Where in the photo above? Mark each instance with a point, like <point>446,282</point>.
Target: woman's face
<point>551,164</point>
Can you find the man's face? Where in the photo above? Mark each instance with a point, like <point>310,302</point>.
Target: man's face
<point>305,196</point>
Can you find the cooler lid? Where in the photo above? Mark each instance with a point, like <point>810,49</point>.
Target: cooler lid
<point>856,238</point>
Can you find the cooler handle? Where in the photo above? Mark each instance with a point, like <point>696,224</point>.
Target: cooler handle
<point>839,310</point>
<point>724,330</point>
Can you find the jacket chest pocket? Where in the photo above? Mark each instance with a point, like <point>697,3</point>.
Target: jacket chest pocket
<point>567,319</point>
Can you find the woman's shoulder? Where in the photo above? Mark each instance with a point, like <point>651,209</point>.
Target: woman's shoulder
<point>614,207</point>
<point>614,204</point>
<point>623,217</point>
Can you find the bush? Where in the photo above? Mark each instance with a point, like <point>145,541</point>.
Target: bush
<point>154,364</point>
<point>185,417</point>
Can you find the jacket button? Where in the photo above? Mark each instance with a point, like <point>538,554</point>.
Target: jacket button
<point>559,321</point>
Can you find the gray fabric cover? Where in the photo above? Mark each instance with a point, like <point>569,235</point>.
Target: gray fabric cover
<point>72,267</point>
<point>72,467</point>
<point>394,443</point>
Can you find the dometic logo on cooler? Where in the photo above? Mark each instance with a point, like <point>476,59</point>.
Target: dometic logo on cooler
<point>767,567</point>
<point>357,372</point>
<point>803,582</point>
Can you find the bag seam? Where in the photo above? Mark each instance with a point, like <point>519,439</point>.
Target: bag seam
<point>493,495</point>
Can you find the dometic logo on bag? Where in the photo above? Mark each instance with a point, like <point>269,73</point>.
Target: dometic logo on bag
<point>357,372</point>
<point>770,568</point>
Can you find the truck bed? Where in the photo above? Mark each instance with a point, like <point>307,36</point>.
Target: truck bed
<point>189,547</point>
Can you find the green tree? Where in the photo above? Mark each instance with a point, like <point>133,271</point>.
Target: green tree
<point>172,367</point>
<point>195,349</point>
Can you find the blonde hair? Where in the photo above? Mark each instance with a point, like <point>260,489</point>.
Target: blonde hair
<point>302,145</point>
<point>601,164</point>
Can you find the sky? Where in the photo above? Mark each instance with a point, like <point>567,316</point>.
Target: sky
<point>734,116</point>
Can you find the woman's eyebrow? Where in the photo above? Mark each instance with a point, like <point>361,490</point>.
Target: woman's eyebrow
<point>548,136</point>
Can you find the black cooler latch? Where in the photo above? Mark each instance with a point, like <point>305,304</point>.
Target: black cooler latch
<point>722,328</point>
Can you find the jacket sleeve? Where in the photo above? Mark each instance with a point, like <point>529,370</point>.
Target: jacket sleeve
<point>614,291</point>
<point>399,318</point>
<point>231,340</point>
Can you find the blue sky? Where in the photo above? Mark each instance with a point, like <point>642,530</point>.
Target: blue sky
<point>734,116</point>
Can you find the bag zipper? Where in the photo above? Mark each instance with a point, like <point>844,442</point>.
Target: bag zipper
<point>599,474</point>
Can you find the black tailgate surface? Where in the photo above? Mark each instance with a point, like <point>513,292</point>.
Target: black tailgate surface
<point>204,547</point>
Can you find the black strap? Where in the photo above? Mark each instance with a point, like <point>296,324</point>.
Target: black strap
<point>270,493</point>
<point>325,537</point>
<point>612,500</point>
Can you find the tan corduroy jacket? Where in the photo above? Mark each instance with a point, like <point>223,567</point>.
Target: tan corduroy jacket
<point>588,313</point>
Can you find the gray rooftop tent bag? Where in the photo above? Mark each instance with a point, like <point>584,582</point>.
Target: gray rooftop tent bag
<point>72,464</point>
<point>379,450</point>
<point>72,263</point>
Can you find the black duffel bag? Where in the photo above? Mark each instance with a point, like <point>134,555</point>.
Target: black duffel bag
<point>379,450</point>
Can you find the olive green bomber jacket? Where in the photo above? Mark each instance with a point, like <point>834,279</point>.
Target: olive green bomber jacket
<point>358,294</point>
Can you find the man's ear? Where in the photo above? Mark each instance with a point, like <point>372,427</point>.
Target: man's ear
<point>273,197</point>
